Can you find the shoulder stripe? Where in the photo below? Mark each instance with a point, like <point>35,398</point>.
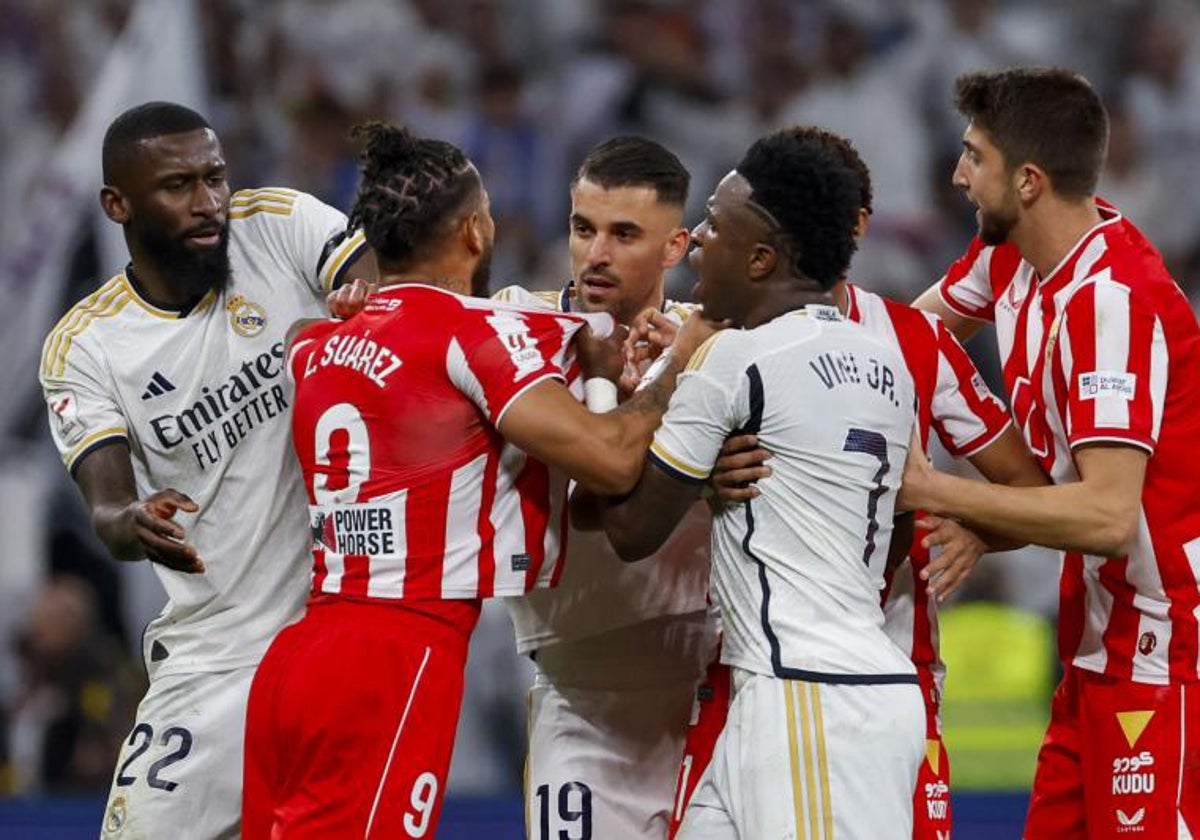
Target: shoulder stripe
<point>247,212</point>
<point>702,352</point>
<point>107,300</point>
<point>343,256</point>
<point>249,200</point>
<point>276,193</point>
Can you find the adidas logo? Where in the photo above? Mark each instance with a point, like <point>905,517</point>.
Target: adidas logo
<point>158,386</point>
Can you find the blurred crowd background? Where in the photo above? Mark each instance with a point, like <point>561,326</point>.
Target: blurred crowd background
<point>526,87</point>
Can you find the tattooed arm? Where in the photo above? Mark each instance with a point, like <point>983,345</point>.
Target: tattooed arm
<point>603,452</point>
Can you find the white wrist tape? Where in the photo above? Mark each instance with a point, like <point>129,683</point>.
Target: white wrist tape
<point>600,395</point>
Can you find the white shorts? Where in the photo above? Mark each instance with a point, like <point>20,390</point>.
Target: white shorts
<point>607,721</point>
<point>811,761</point>
<point>180,770</point>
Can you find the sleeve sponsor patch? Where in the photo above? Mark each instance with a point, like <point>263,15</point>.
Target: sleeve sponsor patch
<point>66,410</point>
<point>1107,383</point>
<point>981,389</point>
<point>521,346</point>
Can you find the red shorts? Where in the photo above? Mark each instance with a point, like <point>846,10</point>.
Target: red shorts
<point>1119,759</point>
<point>931,798</point>
<point>351,723</point>
<point>708,719</point>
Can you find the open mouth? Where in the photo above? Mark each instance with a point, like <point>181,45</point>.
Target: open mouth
<point>597,285</point>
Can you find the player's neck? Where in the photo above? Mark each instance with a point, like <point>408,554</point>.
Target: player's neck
<point>440,276</point>
<point>771,306</point>
<point>1049,231</point>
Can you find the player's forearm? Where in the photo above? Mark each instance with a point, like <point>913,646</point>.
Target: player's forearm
<point>629,429</point>
<point>963,327</point>
<point>1072,517</point>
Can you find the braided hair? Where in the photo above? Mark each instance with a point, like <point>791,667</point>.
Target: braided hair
<point>411,188</point>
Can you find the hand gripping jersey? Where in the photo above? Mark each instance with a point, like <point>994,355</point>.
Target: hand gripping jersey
<point>798,571</point>
<point>599,592</point>
<point>201,399</point>
<point>412,492</point>
<point>1105,350</point>
<point>954,402</point>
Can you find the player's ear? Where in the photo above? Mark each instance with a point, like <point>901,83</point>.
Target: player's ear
<point>1030,181</point>
<point>762,261</point>
<point>114,204</point>
<point>676,247</point>
<point>864,222</point>
<point>473,233</point>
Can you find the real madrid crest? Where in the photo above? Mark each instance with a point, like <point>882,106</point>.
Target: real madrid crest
<point>246,317</point>
<point>114,820</point>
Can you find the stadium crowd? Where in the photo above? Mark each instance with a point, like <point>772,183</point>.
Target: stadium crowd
<point>525,87</point>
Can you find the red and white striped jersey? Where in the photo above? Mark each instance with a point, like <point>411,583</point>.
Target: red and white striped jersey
<point>413,494</point>
<point>1105,349</point>
<point>953,401</point>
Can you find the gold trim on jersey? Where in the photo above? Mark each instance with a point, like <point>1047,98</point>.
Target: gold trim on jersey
<point>341,257</point>
<point>105,302</point>
<point>78,449</point>
<point>165,314</point>
<point>246,203</point>
<point>676,464</point>
<point>702,352</point>
<point>552,298</point>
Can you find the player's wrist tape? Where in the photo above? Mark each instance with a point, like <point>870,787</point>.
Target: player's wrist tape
<point>600,395</point>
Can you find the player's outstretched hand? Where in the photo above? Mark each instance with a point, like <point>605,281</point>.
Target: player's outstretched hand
<point>961,549</point>
<point>163,539</point>
<point>742,462</point>
<point>349,299</point>
<point>602,358</point>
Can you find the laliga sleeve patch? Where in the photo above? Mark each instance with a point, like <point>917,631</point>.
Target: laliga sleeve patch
<point>66,410</point>
<point>521,346</point>
<point>1107,384</point>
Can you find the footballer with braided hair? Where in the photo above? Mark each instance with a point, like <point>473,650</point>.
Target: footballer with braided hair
<point>436,438</point>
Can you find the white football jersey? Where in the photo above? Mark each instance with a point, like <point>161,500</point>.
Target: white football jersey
<point>202,400</point>
<point>597,591</point>
<point>798,571</point>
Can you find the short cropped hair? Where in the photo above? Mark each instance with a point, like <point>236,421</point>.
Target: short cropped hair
<point>813,195</point>
<point>849,155</point>
<point>630,161</point>
<point>151,119</point>
<point>1046,116</point>
<point>411,188</point>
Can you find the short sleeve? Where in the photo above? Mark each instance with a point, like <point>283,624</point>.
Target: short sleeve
<point>966,287</point>
<point>308,234</point>
<point>83,414</point>
<point>967,416</point>
<point>496,355</point>
<point>1112,360</point>
<point>703,411</point>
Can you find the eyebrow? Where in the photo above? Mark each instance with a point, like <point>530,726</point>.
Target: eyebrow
<point>970,147</point>
<point>622,226</point>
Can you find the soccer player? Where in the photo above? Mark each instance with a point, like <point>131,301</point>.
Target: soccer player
<point>1099,349</point>
<point>826,712</point>
<point>619,647</point>
<point>168,403</point>
<point>954,402</point>
<point>412,424</point>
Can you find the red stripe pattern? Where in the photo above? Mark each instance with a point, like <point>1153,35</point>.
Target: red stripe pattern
<point>412,491</point>
<point>1104,351</point>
